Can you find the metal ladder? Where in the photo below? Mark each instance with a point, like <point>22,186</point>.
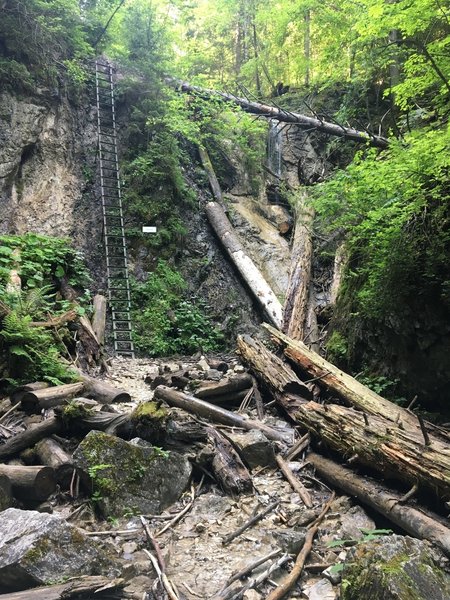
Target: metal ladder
<point>113,227</point>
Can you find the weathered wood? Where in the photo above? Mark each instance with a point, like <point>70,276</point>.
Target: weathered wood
<point>217,414</point>
<point>230,399</point>
<point>212,178</point>
<point>89,340</point>
<point>228,468</point>
<point>280,114</point>
<point>36,400</point>
<point>30,436</point>
<point>99,318</point>
<point>336,381</point>
<point>30,483</point>
<point>385,501</point>
<point>392,450</point>
<point>296,303</point>
<point>271,370</point>
<point>259,287</point>
<point>236,383</point>
<point>296,485</point>
<point>52,454</point>
<point>82,588</point>
<point>103,391</point>
<point>67,317</point>
<point>17,394</point>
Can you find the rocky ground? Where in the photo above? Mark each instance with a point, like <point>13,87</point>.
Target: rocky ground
<point>190,536</point>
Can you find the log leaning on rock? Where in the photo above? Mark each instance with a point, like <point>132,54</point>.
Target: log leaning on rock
<point>386,502</point>
<point>217,414</point>
<point>259,287</point>
<point>30,483</point>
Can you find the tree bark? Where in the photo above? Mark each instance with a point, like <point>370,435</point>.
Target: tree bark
<point>244,264</point>
<point>103,392</point>
<point>385,501</point>
<point>343,385</point>
<point>30,483</point>
<point>19,392</point>
<point>235,383</point>
<point>387,447</point>
<point>30,437</point>
<point>217,414</point>
<point>227,466</point>
<point>297,295</point>
<point>286,116</point>
<point>271,370</point>
<point>51,454</point>
<point>99,318</point>
<point>212,178</point>
<point>36,400</point>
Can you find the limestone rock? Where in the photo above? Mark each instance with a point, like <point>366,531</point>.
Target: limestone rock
<point>290,540</point>
<point>393,568</point>
<point>255,449</point>
<point>131,478</point>
<point>322,590</point>
<point>38,548</point>
<point>354,522</point>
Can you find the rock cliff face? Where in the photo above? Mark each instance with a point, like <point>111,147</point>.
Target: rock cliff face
<point>42,155</point>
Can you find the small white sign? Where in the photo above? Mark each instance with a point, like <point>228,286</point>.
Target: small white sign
<point>148,229</point>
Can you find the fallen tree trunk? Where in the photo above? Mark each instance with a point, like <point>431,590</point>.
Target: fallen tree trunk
<point>103,392</point>
<point>217,414</point>
<point>30,437</point>
<point>385,501</point>
<point>67,317</point>
<point>236,383</point>
<point>99,318</point>
<point>6,498</point>
<point>379,444</point>
<point>51,454</point>
<point>212,178</point>
<point>18,393</point>
<point>82,588</point>
<point>296,303</point>
<point>227,466</point>
<point>271,370</point>
<point>280,114</point>
<point>331,378</point>
<point>36,400</point>
<point>261,290</point>
<point>30,483</point>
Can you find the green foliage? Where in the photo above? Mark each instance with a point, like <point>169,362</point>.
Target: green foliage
<point>394,210</point>
<point>368,535</point>
<point>165,322</point>
<point>336,347</point>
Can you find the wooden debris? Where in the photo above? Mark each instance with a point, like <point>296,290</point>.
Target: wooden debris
<point>246,571</point>
<point>414,521</point>
<point>36,400</point>
<point>291,579</point>
<point>81,588</point>
<point>99,318</point>
<point>236,383</point>
<point>296,485</point>
<point>30,483</point>
<point>249,523</point>
<point>217,414</point>
<point>30,437</point>
<point>229,470</point>
<point>104,392</point>
<point>53,455</point>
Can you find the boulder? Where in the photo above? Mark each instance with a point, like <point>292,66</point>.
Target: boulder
<point>354,523</point>
<point>131,478</point>
<point>393,568</point>
<point>39,549</point>
<point>254,448</point>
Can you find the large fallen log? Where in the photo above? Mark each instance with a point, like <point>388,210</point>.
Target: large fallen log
<point>30,437</point>
<point>217,414</point>
<point>384,501</point>
<point>99,318</point>
<point>236,383</point>
<point>296,303</point>
<point>104,392</point>
<point>30,483</point>
<point>36,400</point>
<point>259,287</point>
<point>387,447</point>
<point>280,114</point>
<point>331,378</point>
<point>83,588</point>
<point>213,181</point>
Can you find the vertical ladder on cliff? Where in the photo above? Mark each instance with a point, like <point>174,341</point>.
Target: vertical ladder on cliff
<point>113,226</point>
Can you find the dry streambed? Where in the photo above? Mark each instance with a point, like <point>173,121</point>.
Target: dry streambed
<point>122,520</point>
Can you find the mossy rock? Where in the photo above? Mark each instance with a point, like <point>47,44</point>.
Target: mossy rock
<point>40,549</point>
<point>131,478</point>
<point>393,568</point>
